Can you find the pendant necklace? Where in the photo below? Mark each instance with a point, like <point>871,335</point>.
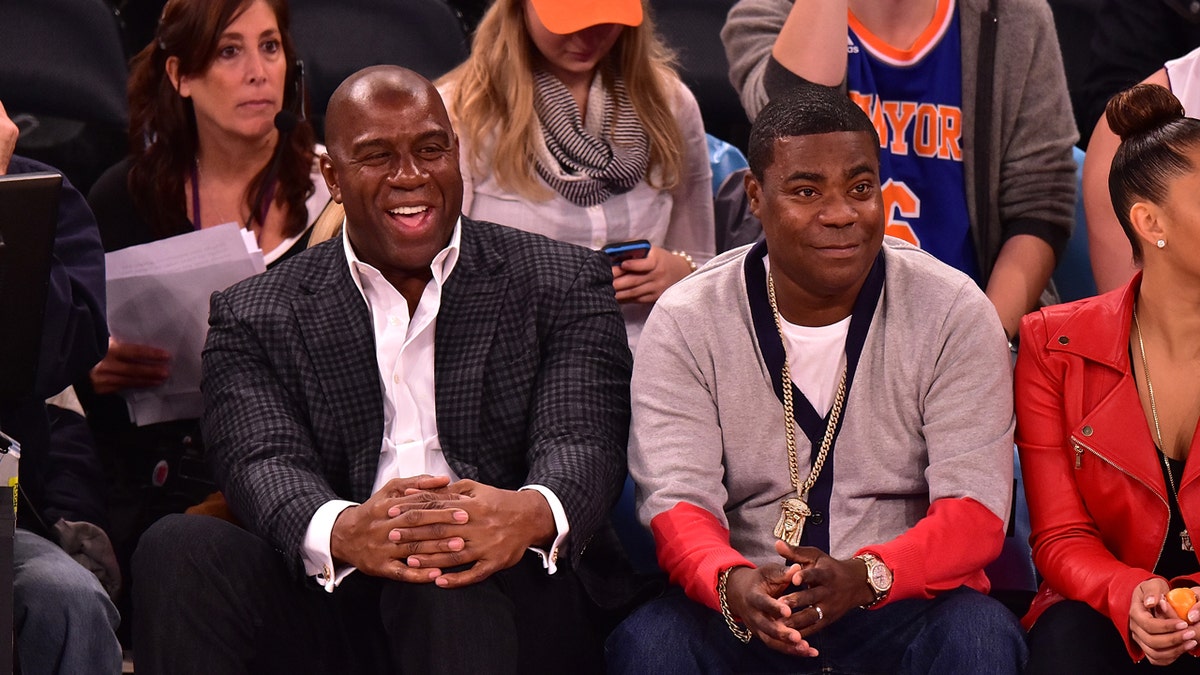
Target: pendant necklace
<point>1185,539</point>
<point>795,510</point>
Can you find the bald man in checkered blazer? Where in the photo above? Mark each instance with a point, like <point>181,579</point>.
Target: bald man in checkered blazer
<point>507,540</point>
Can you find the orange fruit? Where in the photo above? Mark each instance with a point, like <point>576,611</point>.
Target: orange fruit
<point>1182,600</point>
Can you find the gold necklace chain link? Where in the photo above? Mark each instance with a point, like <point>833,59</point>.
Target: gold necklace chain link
<point>1185,538</point>
<point>788,409</point>
<point>1153,406</point>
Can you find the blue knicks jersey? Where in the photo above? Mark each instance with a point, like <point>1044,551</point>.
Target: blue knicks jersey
<point>914,97</point>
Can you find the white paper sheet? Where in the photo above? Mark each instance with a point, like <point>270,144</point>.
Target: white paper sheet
<point>158,295</point>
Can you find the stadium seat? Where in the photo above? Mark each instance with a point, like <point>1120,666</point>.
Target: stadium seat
<point>1074,23</point>
<point>724,159</point>
<point>693,29</point>
<point>336,39</point>
<point>1013,576</point>
<point>636,540</point>
<point>63,82</point>
<point>1073,276</point>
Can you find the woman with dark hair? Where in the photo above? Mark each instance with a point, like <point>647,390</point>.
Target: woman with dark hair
<point>1108,401</point>
<point>205,149</point>
<point>203,99</point>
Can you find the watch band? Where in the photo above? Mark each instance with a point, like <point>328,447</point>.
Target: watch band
<point>872,563</point>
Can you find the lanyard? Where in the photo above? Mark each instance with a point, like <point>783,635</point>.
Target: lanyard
<point>263,206</point>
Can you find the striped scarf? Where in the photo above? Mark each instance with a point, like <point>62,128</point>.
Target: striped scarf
<point>588,164</point>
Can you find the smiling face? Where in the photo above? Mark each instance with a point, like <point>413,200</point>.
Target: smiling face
<point>573,56</point>
<point>242,88</point>
<point>822,213</point>
<point>393,165</point>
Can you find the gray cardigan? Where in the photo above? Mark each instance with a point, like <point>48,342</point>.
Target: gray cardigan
<point>1032,172</point>
<point>929,415</point>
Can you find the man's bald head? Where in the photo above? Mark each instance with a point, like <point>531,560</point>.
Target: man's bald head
<point>393,164</point>
<point>378,85</point>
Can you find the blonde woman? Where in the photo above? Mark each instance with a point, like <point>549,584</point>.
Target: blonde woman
<point>573,123</point>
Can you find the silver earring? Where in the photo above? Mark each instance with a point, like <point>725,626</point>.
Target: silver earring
<point>1162,243</point>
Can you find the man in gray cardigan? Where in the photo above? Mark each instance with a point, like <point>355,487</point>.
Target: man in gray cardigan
<point>854,536</point>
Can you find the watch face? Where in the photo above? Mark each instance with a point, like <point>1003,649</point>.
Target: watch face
<point>881,577</point>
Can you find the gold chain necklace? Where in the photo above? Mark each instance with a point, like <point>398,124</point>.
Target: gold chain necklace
<point>1184,538</point>
<point>795,510</point>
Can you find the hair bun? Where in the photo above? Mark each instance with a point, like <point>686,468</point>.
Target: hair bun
<point>1141,109</point>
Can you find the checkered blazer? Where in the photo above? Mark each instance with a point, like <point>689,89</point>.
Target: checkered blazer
<point>531,375</point>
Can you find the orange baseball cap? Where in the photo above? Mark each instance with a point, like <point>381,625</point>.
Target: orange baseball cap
<point>568,16</point>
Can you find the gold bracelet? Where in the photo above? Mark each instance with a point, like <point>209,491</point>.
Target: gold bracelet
<point>740,632</point>
<point>686,256</point>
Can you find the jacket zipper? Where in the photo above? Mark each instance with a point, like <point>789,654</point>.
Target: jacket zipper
<point>1080,447</point>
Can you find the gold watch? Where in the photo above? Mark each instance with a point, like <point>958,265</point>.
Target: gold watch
<point>879,577</point>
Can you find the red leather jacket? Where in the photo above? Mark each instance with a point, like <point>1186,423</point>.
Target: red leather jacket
<point>1097,499</point>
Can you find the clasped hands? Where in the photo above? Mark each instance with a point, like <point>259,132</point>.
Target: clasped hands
<point>1156,627</point>
<point>414,528</point>
<point>782,620</point>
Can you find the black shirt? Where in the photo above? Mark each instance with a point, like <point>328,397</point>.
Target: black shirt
<point>1174,561</point>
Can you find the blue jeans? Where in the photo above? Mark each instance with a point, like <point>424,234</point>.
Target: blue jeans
<point>961,631</point>
<point>64,621</point>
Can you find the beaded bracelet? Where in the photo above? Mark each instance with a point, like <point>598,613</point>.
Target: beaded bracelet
<point>686,256</point>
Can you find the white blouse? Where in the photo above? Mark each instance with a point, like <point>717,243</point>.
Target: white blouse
<point>315,204</point>
<point>680,219</point>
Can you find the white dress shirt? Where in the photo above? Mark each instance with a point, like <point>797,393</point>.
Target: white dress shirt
<point>404,348</point>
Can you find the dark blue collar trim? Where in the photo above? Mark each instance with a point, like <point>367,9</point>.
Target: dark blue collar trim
<point>807,418</point>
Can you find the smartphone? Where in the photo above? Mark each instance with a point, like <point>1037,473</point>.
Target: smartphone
<point>626,250</point>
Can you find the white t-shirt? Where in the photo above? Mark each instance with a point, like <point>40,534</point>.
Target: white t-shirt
<point>816,357</point>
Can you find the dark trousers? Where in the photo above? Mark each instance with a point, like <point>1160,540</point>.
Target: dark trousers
<point>961,631</point>
<point>1070,637</point>
<point>214,598</point>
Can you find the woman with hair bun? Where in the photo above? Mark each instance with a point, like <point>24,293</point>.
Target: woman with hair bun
<point>1111,258</point>
<point>1108,402</point>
